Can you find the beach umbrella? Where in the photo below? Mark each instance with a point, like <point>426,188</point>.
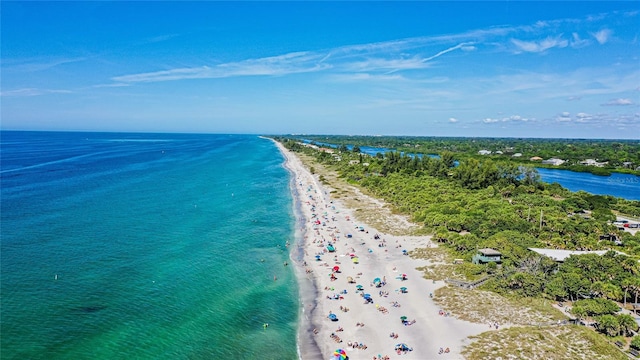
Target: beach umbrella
<point>359,287</point>
<point>367,296</point>
<point>376,280</point>
<point>403,289</point>
<point>404,275</point>
<point>318,257</point>
<point>340,355</point>
<point>403,318</point>
<point>333,317</point>
<point>355,260</point>
<point>336,268</point>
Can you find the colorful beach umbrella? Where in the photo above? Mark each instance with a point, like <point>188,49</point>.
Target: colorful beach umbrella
<point>336,268</point>
<point>376,280</point>
<point>340,354</point>
<point>403,318</point>
<point>359,287</point>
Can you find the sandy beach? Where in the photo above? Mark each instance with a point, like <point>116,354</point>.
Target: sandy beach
<point>330,278</point>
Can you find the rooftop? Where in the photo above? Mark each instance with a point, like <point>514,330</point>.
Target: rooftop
<point>489,252</point>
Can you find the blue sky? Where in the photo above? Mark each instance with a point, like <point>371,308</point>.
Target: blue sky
<point>500,69</point>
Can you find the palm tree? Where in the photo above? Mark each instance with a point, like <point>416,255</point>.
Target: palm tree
<point>626,284</point>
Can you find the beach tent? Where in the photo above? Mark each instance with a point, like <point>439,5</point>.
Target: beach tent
<point>331,248</point>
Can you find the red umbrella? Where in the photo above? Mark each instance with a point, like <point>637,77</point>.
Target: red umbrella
<point>336,268</point>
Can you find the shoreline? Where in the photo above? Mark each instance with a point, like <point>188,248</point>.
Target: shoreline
<point>322,221</point>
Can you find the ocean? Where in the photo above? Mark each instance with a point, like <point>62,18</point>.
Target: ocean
<point>145,246</point>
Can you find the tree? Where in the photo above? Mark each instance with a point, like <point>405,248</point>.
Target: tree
<point>608,324</point>
<point>627,324</point>
<point>635,342</point>
<point>356,149</point>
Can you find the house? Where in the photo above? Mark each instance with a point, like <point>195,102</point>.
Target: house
<point>592,162</point>
<point>486,255</point>
<point>499,152</point>
<point>553,161</point>
<point>484,152</point>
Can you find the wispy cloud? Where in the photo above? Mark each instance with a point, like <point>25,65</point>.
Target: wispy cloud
<point>540,45</point>
<point>161,38</point>
<point>297,62</point>
<point>618,102</point>
<point>373,61</point>
<point>453,120</point>
<point>33,65</point>
<point>577,42</point>
<point>32,92</point>
<point>602,36</point>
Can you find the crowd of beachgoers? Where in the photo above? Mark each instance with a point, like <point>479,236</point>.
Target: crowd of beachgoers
<point>371,302</point>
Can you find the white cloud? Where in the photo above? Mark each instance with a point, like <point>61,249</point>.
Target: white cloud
<point>618,102</point>
<point>290,63</point>
<point>32,92</point>
<point>541,45</point>
<point>577,42</point>
<point>602,36</point>
<point>583,117</point>
<point>512,118</point>
<point>453,120</point>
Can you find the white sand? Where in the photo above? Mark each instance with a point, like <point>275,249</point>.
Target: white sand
<point>430,330</point>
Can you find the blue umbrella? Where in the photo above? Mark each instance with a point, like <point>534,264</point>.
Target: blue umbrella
<point>376,280</point>
<point>333,317</point>
<point>367,296</point>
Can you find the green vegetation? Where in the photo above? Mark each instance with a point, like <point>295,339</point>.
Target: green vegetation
<point>489,203</point>
<point>619,155</point>
<point>552,342</point>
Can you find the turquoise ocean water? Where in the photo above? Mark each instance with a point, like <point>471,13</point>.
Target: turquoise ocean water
<point>145,246</point>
